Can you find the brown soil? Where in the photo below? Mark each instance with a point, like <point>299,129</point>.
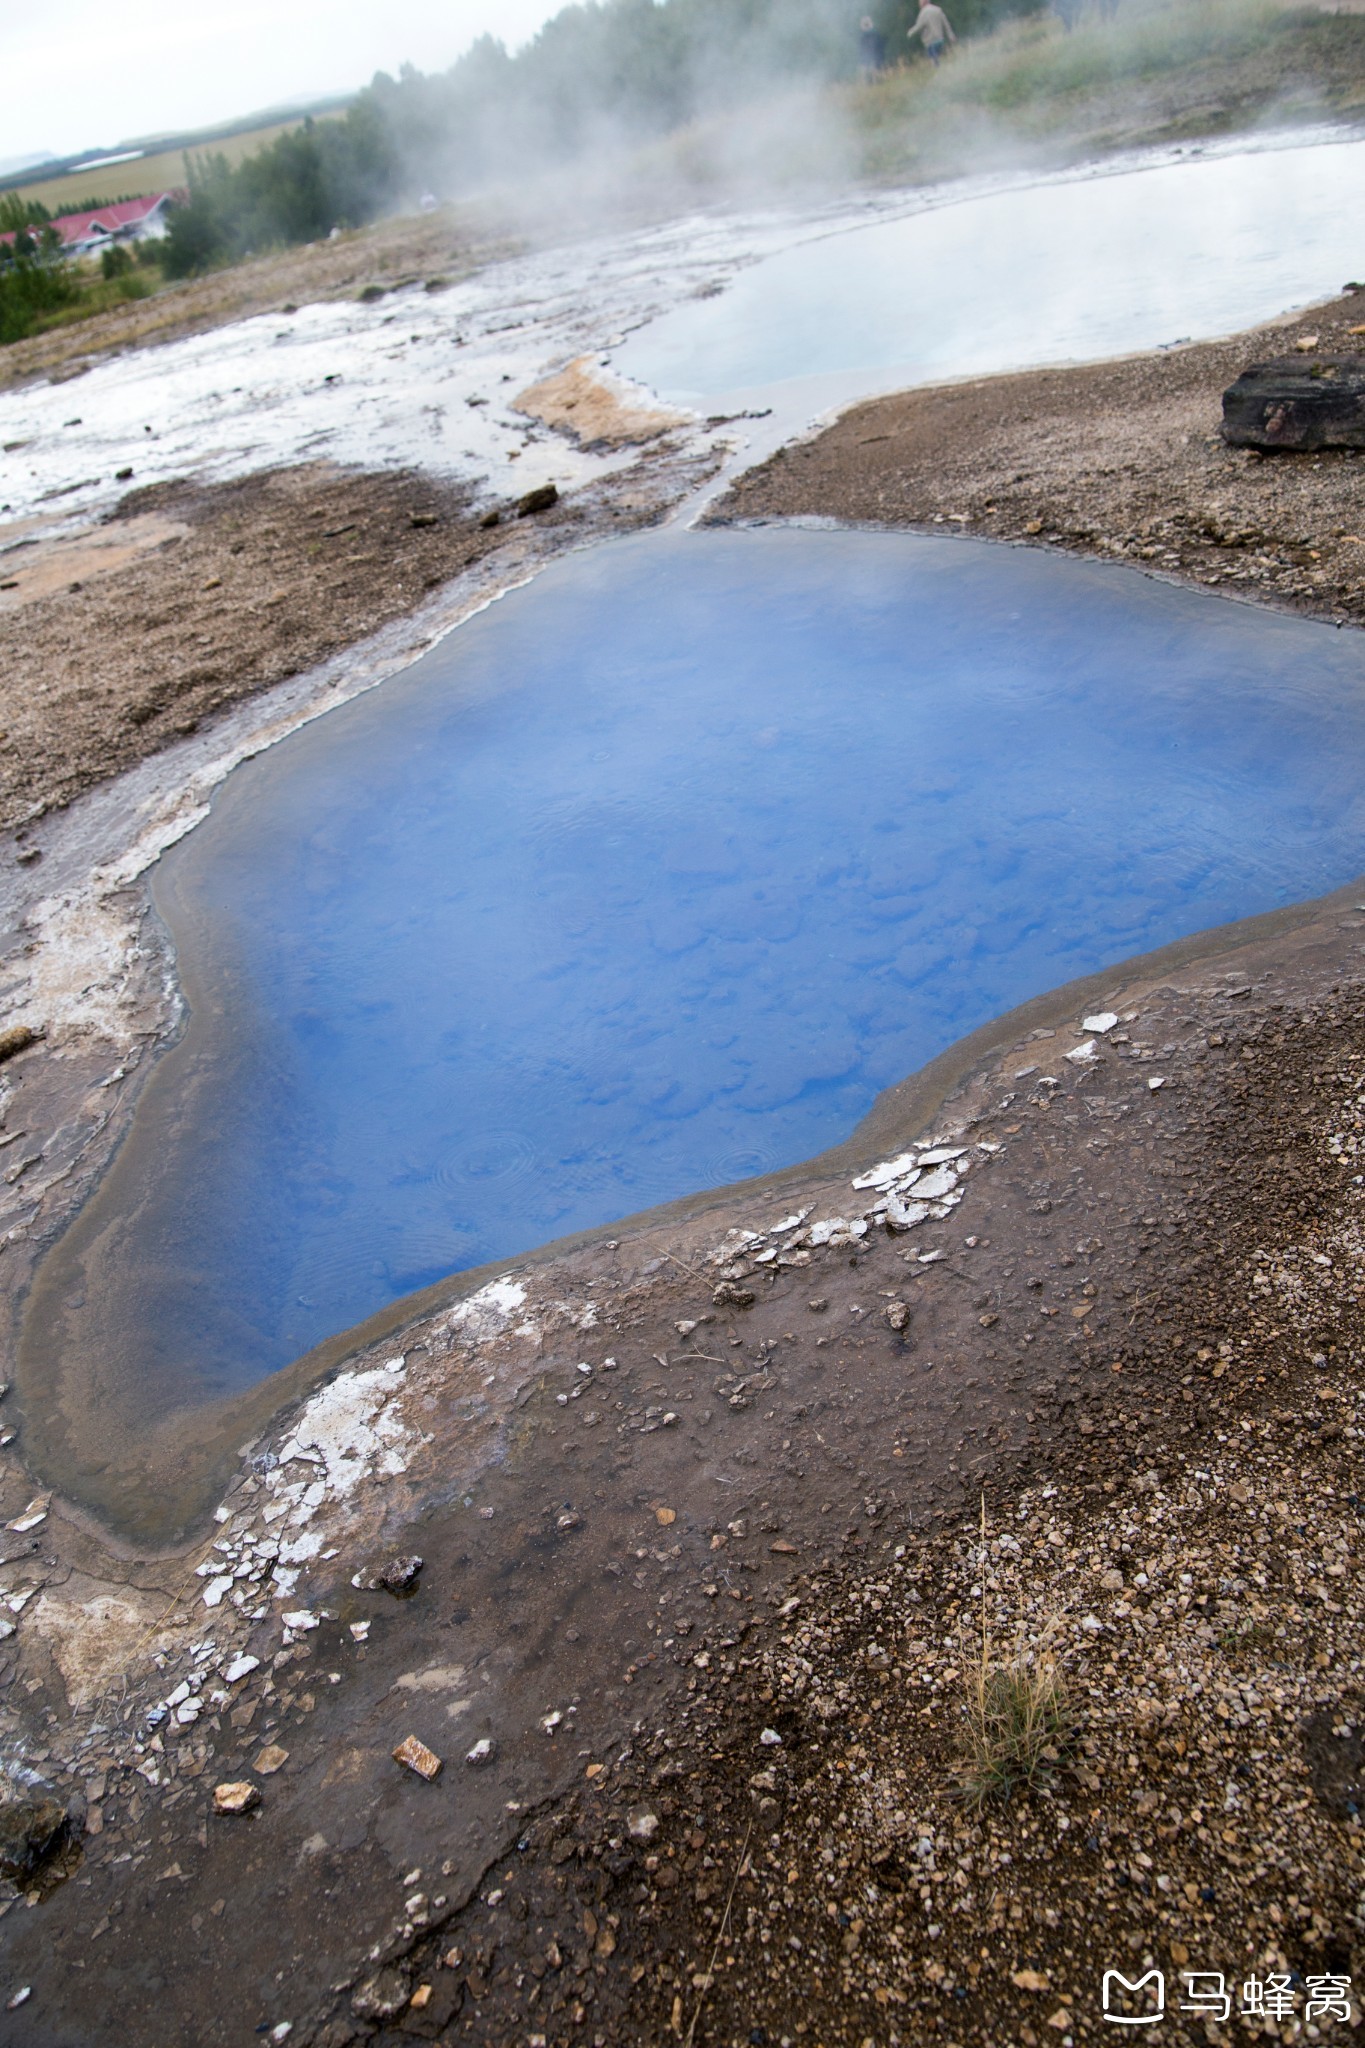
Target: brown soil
<point>439,248</point>
<point>118,640</point>
<point>1122,460</point>
<point>769,1521</point>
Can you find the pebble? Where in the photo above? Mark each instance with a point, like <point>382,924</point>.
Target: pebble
<point>239,1796</point>
<point>415,1756</point>
<point>271,1759</point>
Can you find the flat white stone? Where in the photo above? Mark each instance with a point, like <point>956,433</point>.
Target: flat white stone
<point>1081,1053</point>
<point>1102,1021</point>
<point>890,1170</point>
<point>934,1186</point>
<point>940,1155</point>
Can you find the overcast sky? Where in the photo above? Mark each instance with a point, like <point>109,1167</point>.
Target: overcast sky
<point>85,74</point>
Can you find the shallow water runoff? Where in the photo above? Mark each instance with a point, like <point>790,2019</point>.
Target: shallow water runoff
<point>649,879</point>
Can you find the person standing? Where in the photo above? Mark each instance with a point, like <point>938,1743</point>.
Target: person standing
<point>934,29</point>
<point>871,49</point>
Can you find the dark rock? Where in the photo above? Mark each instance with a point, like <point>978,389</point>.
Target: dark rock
<point>424,519</point>
<point>490,520</point>
<point>31,1831</point>
<point>539,500</point>
<point>399,1575</point>
<point>1298,405</point>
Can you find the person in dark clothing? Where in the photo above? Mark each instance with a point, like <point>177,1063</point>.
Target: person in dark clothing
<point>871,48</point>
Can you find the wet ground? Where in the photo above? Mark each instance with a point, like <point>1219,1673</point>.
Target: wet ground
<point>610,1553</point>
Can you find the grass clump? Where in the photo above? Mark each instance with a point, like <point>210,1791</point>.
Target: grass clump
<point>1019,1721</point>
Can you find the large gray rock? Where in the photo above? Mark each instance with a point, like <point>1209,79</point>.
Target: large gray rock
<point>1298,405</point>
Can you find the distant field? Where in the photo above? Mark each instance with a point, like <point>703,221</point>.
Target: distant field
<point>152,173</point>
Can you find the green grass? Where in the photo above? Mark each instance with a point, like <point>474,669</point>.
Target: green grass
<point>1163,66</point>
<point>159,172</point>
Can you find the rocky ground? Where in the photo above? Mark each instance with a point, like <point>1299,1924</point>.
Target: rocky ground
<point>1122,459</point>
<point>703,1582</point>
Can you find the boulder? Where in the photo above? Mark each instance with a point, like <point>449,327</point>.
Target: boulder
<point>1298,405</point>
<point>31,1830</point>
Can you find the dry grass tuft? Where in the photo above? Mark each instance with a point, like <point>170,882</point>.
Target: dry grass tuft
<point>1019,1722</point>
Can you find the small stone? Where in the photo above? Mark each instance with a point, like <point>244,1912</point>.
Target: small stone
<point>728,1295</point>
<point>360,1631</point>
<point>643,1824</point>
<point>20,1997</point>
<point>415,1756</point>
<point>539,500</point>
<point>300,1620</point>
<point>1081,1054</point>
<point>237,1797</point>
<point>897,1314</point>
<point>1030,1980</point>
<point>271,1759</point>
<point>1102,1021</point>
<point>421,1998</point>
<point>770,1739</point>
<point>239,1668</point>
<point>665,1517</point>
<point>399,1575</point>
<point>783,1549</point>
<point>36,1512</point>
<point>1156,1081</point>
<point>483,1752</point>
<point>17,1039</point>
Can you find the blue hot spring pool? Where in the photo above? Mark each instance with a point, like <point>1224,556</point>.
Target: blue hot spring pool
<point>649,879</point>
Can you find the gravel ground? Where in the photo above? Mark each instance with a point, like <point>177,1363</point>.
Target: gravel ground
<point>783,1853</point>
<point>707,1574</point>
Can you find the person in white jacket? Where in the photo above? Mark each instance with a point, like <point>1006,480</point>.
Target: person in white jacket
<point>934,28</point>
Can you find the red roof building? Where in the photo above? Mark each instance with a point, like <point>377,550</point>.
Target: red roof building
<point>130,220</point>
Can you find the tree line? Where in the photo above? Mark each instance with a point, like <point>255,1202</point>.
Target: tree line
<point>599,73</point>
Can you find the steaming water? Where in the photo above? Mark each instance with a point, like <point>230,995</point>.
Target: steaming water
<point>831,308</point>
<point>1066,271</point>
<point>651,878</point>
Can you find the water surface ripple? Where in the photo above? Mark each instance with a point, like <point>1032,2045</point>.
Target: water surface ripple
<point>652,877</point>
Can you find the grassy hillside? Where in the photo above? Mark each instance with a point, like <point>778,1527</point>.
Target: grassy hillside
<point>155,172</point>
